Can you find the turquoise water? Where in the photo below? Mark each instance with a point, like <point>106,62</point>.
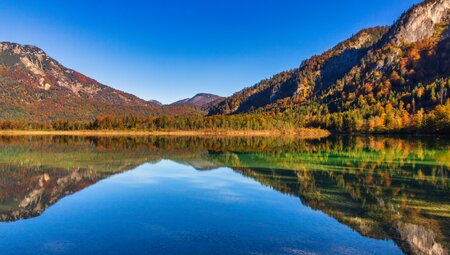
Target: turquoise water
<point>128,196</point>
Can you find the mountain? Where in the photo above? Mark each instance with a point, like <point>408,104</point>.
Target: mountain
<point>155,102</point>
<point>200,99</point>
<point>399,69</point>
<point>35,87</point>
<point>299,84</point>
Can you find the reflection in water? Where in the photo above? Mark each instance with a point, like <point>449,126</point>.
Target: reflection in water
<point>383,188</point>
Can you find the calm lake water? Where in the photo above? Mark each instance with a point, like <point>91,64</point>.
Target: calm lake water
<point>185,195</point>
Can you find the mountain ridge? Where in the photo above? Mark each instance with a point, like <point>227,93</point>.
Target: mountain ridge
<point>292,83</point>
<point>37,88</point>
<point>401,56</point>
<point>34,86</point>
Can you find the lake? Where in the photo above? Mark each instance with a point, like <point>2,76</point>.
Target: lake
<point>247,195</point>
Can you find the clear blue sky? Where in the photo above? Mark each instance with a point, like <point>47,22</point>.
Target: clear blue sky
<point>172,49</point>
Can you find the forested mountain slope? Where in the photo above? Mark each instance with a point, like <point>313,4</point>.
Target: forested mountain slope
<point>383,76</point>
<point>35,87</point>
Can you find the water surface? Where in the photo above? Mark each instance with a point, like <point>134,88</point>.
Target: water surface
<point>123,195</point>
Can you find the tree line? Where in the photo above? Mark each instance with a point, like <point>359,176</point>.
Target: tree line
<point>373,119</point>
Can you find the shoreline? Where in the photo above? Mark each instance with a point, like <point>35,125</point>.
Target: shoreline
<point>301,133</point>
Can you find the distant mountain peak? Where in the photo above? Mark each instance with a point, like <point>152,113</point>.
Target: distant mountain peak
<point>200,99</point>
<point>153,101</point>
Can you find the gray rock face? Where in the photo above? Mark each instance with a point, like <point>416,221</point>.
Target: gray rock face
<point>420,240</point>
<point>418,23</point>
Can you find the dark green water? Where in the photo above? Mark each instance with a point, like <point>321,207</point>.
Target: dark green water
<point>184,195</point>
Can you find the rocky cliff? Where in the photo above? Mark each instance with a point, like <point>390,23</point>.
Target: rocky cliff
<point>35,87</point>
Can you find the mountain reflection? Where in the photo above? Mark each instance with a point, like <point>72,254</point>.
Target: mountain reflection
<point>384,188</point>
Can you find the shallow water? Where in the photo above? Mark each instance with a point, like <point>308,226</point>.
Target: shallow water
<point>123,195</point>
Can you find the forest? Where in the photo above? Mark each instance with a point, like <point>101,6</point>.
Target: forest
<point>374,119</point>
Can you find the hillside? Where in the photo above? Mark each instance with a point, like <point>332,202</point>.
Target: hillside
<point>374,79</point>
<point>34,87</point>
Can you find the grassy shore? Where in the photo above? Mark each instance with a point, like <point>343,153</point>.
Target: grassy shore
<point>302,132</point>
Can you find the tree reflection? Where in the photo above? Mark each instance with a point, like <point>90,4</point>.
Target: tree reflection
<point>382,187</point>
